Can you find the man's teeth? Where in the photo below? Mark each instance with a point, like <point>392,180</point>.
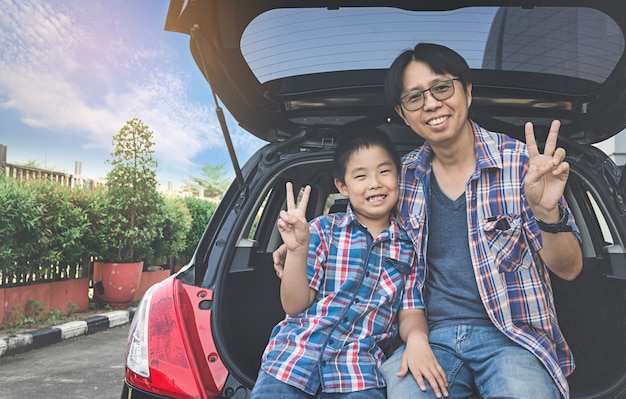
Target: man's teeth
<point>437,121</point>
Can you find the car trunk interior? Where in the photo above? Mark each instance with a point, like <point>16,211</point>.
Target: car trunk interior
<point>591,309</point>
<point>571,68</point>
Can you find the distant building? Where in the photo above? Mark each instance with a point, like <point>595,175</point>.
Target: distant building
<point>523,45</point>
<point>615,147</point>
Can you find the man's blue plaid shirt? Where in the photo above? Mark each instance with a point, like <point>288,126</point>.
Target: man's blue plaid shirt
<point>513,282</point>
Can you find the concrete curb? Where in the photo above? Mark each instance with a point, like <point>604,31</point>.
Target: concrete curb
<point>23,342</point>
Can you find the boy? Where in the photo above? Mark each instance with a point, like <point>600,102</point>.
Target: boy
<point>345,279</point>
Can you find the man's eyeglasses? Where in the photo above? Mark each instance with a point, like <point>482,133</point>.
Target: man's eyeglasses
<point>440,91</point>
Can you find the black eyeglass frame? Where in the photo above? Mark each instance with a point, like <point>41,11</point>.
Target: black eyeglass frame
<point>423,92</point>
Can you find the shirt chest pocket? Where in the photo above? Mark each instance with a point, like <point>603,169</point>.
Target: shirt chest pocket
<point>396,274</point>
<point>506,242</point>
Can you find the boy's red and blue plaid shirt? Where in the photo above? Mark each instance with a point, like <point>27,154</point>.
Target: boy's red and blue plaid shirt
<point>361,284</point>
<point>513,282</point>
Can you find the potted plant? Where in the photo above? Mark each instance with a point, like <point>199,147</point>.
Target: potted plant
<point>131,213</point>
<point>170,242</point>
<point>167,246</point>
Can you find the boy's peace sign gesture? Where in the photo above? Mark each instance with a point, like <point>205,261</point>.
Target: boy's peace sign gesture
<point>292,223</point>
<point>295,293</point>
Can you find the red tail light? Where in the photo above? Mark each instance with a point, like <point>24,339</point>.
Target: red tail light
<point>170,349</point>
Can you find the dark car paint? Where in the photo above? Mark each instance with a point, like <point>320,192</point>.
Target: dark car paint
<point>592,308</point>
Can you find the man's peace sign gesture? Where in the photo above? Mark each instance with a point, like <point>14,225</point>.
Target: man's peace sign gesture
<point>292,223</point>
<point>547,174</point>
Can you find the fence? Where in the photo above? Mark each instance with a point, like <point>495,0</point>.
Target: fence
<point>27,274</point>
<point>19,172</point>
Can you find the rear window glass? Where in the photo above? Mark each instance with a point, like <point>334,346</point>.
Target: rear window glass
<point>574,42</point>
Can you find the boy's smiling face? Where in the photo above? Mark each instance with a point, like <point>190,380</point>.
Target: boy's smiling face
<point>371,184</point>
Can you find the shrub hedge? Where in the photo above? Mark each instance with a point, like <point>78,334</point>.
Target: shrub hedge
<point>50,232</point>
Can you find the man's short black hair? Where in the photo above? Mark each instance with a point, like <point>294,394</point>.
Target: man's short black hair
<point>349,143</point>
<point>442,60</point>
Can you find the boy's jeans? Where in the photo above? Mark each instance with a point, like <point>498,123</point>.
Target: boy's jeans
<point>268,387</point>
<point>477,360</point>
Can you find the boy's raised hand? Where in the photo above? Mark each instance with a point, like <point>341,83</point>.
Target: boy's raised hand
<point>292,223</point>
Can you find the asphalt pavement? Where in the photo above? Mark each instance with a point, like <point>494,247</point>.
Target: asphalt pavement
<point>84,367</point>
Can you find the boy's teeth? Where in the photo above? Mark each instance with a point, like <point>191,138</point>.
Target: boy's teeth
<point>376,199</point>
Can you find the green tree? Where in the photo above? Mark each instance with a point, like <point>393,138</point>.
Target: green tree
<point>33,163</point>
<point>172,231</point>
<point>214,181</point>
<point>201,212</point>
<point>132,197</point>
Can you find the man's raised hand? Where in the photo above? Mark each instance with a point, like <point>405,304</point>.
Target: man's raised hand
<point>547,174</point>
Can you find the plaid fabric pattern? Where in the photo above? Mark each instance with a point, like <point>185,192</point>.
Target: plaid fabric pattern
<point>361,284</point>
<point>513,282</point>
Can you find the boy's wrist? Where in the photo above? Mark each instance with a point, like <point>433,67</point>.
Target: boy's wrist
<point>300,251</point>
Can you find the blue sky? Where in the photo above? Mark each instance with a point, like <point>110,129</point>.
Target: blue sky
<point>72,72</point>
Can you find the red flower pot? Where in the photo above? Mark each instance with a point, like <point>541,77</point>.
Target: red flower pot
<point>115,283</point>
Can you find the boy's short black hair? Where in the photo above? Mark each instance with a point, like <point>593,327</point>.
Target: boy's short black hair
<point>441,59</point>
<point>349,143</point>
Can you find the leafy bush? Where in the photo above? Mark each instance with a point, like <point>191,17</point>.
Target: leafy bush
<point>51,232</point>
<point>201,212</point>
<point>93,242</point>
<point>171,231</point>
<point>20,214</point>
<point>58,254</point>
<point>41,232</point>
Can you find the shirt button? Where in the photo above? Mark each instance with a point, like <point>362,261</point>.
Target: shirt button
<point>332,341</point>
<point>345,319</point>
<point>356,300</point>
<point>323,363</point>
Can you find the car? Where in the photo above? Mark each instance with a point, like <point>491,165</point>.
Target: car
<point>298,75</point>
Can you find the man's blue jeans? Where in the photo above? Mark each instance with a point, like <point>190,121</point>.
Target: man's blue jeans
<point>479,361</point>
<point>268,387</point>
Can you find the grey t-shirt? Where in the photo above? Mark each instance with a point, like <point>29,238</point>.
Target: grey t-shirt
<point>451,293</point>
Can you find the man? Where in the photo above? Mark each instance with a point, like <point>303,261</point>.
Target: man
<point>487,218</point>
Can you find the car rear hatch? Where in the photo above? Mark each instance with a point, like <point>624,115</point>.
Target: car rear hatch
<point>297,74</point>
<point>277,65</point>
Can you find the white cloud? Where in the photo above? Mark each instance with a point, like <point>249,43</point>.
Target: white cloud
<point>69,68</point>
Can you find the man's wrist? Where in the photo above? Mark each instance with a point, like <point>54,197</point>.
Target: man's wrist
<point>558,227</point>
